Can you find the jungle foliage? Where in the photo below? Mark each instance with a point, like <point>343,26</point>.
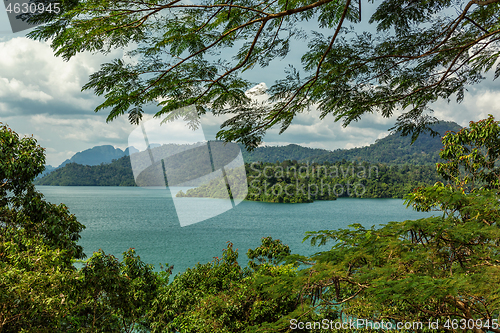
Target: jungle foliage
<point>443,268</point>
<point>40,289</point>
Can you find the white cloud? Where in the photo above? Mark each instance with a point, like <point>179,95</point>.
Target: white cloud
<point>477,104</point>
<point>30,74</point>
<point>17,90</point>
<point>87,129</point>
<point>308,130</point>
<point>62,136</point>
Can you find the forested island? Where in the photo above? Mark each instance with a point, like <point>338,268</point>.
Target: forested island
<point>294,182</point>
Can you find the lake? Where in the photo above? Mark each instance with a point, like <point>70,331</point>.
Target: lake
<point>118,218</point>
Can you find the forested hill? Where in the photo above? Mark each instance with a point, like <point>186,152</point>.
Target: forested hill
<point>290,152</point>
<point>117,173</point>
<point>393,149</point>
<point>96,155</point>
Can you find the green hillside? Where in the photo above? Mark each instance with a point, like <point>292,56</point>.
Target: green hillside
<point>273,154</point>
<point>117,173</point>
<point>393,149</point>
<point>293,182</point>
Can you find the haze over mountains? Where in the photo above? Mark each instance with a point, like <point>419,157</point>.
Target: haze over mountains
<point>106,165</point>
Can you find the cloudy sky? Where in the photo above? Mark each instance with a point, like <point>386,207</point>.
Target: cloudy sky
<point>40,95</point>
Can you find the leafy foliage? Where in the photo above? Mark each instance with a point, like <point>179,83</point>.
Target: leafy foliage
<point>35,281</point>
<point>38,240</point>
<point>220,296</point>
<point>40,289</point>
<point>195,54</point>
<point>113,296</point>
<point>439,269</point>
<point>22,207</point>
<point>271,251</point>
<point>472,156</point>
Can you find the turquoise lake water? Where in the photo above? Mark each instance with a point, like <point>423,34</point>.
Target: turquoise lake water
<point>118,218</point>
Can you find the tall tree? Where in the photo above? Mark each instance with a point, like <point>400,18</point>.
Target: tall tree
<point>421,51</point>
<point>40,289</point>
<point>38,241</point>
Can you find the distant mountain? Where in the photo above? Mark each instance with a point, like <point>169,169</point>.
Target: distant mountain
<point>119,171</point>
<point>95,156</point>
<point>273,154</point>
<point>48,169</point>
<point>130,150</point>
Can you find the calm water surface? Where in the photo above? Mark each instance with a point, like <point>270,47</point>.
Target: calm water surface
<point>118,218</point>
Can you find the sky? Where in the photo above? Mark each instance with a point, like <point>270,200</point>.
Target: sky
<point>40,95</point>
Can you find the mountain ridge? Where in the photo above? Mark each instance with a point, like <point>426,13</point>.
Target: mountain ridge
<point>401,146</point>
<point>391,150</point>
<point>95,156</point>
<point>424,151</point>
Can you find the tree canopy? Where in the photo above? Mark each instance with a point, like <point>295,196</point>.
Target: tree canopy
<point>194,54</point>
